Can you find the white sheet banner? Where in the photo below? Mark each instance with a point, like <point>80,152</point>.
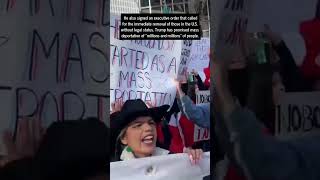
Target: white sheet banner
<point>201,134</point>
<point>298,115</point>
<point>168,167</point>
<point>143,69</point>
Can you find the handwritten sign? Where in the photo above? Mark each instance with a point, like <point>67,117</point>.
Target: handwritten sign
<point>233,21</point>
<point>185,59</point>
<point>199,58</point>
<point>298,115</point>
<point>53,61</point>
<point>173,167</point>
<point>143,69</point>
<point>201,134</point>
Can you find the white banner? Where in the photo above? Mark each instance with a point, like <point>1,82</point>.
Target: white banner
<point>168,167</point>
<point>298,115</point>
<point>143,69</point>
<point>199,58</point>
<point>53,62</point>
<point>201,134</point>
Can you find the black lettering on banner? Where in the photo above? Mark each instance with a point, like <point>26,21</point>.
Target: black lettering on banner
<point>173,63</point>
<point>19,92</point>
<point>44,101</point>
<point>239,26</point>
<point>63,104</point>
<point>100,106</point>
<point>307,117</point>
<point>124,53</point>
<point>84,13</point>
<point>105,20</point>
<point>185,52</point>
<point>47,53</point>
<point>140,76</point>
<point>164,98</point>
<point>187,42</point>
<point>103,54</point>
<point>3,40</point>
<point>35,6</point>
<point>316,116</point>
<point>296,115</point>
<point>123,78</point>
<point>234,5</point>
<point>144,58</point>
<point>74,40</point>
<point>133,79</point>
<point>183,60</point>
<point>147,77</point>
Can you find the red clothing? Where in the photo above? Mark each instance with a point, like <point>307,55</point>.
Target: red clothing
<point>187,127</point>
<point>207,74</point>
<point>310,30</point>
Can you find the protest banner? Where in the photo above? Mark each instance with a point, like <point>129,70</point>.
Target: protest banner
<point>199,58</point>
<point>232,18</point>
<point>201,134</point>
<point>298,115</point>
<point>54,64</point>
<point>173,167</point>
<point>143,69</point>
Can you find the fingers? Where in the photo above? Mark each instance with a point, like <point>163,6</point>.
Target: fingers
<point>9,142</point>
<point>195,155</point>
<point>117,105</point>
<point>149,104</point>
<point>37,132</point>
<point>192,154</point>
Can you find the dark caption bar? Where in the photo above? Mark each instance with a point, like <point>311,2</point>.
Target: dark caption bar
<point>160,26</point>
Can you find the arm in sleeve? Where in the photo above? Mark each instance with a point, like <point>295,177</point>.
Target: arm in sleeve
<point>262,156</point>
<point>199,114</point>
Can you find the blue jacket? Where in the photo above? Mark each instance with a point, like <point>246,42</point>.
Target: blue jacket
<point>199,114</point>
<point>264,157</point>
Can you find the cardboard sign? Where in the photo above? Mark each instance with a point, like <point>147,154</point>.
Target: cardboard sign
<point>203,97</point>
<point>143,69</point>
<point>201,134</point>
<point>298,115</point>
<point>53,62</point>
<point>173,167</point>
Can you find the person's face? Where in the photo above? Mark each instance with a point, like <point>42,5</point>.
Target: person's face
<point>141,136</point>
<point>277,87</point>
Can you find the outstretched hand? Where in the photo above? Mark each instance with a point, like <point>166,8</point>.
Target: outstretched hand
<point>116,106</point>
<point>195,155</point>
